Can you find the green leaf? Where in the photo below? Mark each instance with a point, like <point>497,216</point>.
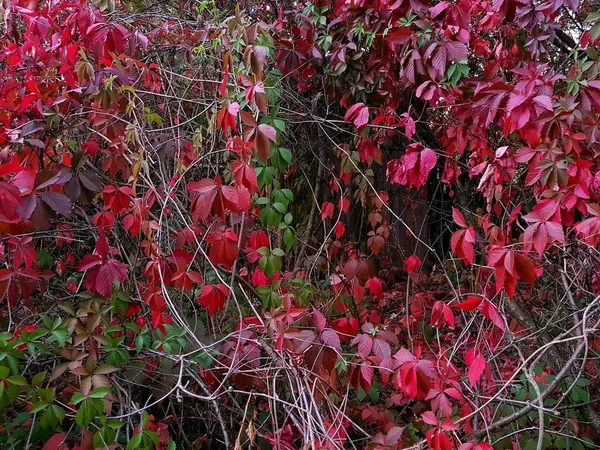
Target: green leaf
<point>278,252</point>
<point>38,378</point>
<point>270,216</point>
<point>36,334</point>
<point>78,397</point>
<point>341,365</point>
<point>265,176</point>
<point>592,17</point>
<point>61,336</point>
<point>13,363</point>
<point>374,392</point>
<point>361,394</point>
<point>39,406</point>
<point>264,251</point>
<point>52,417</point>
<point>280,207</point>
<point>114,424</point>
<point>595,32</point>
<point>100,392</point>
<point>279,125</point>
<point>85,414</point>
<point>44,258</point>
<point>286,155</point>
<point>135,442</point>
<point>289,238</point>
<point>266,265</point>
<point>262,201</point>
<point>104,437</point>
<point>5,336</point>
<point>4,372</point>
<point>18,380</point>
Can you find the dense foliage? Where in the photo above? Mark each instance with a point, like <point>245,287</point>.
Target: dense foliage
<point>330,224</point>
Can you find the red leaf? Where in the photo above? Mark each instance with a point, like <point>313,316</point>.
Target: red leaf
<point>185,279</point>
<point>89,261</point>
<point>412,263</point>
<point>413,168</point>
<point>491,312</point>
<point>110,271</point>
<point>429,418</point>
<point>10,200</point>
<point>458,218</point>
<point>451,172</point>
<point>117,199</point>
<point>226,119</point>
<point>375,286</point>
<point>461,243</point>
<point>441,311</point>
<point>476,365</point>
<point>210,195</point>
<point>357,114</point>
<point>346,327</point>
<point>58,202</point>
<point>56,442</point>
<point>339,229</point>
<point>244,175</point>
<point>261,135</point>
<point>470,304</point>
<point>327,210</point>
<point>510,266</point>
<point>213,296</point>
<point>224,248</point>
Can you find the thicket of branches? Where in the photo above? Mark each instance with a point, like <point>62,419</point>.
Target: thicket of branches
<point>338,224</point>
